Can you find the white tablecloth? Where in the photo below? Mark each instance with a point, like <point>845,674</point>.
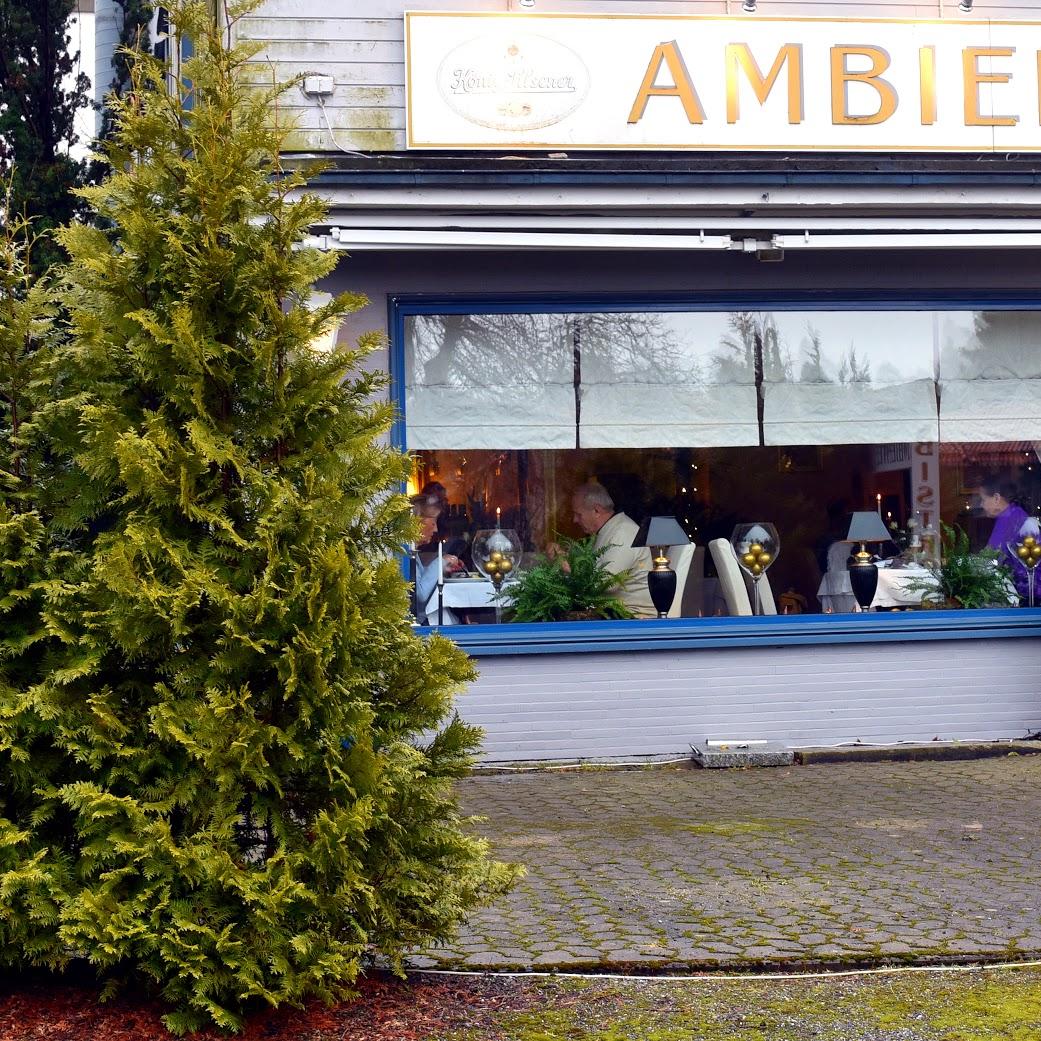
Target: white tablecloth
<point>836,592</point>
<point>464,593</point>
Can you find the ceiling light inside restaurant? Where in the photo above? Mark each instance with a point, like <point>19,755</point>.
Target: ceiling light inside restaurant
<point>965,5</point>
<point>749,6</point>
<point>526,3</point>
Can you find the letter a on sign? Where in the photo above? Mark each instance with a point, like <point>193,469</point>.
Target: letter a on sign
<point>682,87</point>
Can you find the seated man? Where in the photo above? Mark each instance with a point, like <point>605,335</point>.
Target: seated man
<point>594,512</point>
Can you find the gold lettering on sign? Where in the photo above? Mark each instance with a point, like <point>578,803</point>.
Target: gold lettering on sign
<point>927,79</point>
<point>682,87</point>
<point>841,78</point>
<point>970,58</point>
<point>739,58</point>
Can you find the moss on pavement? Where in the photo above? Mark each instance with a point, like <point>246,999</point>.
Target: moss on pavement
<point>977,1005</point>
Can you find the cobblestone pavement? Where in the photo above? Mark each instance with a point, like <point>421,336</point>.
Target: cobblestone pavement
<point>821,865</point>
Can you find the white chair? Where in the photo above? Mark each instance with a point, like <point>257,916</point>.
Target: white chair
<point>680,558</point>
<point>693,605</point>
<point>731,582</point>
<point>836,591</point>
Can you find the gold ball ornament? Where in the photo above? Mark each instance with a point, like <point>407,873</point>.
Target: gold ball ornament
<point>1035,552</point>
<point>491,566</point>
<point>748,559</point>
<point>765,558</point>
<point>506,566</point>
<point>1030,541</point>
<point>755,548</point>
<point>757,569</point>
<point>1022,552</point>
<point>496,556</point>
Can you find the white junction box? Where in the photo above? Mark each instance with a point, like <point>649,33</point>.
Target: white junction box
<point>318,86</point>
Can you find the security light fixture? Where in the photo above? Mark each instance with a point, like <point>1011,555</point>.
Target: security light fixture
<point>749,6</point>
<point>966,6</point>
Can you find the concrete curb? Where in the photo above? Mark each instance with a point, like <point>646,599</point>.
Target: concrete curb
<point>664,968</point>
<point>933,751</point>
<point>930,751</point>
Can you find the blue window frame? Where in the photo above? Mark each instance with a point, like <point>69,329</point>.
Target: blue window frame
<point>691,633</point>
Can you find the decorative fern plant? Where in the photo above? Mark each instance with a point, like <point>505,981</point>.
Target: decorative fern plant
<point>963,578</point>
<point>572,587</point>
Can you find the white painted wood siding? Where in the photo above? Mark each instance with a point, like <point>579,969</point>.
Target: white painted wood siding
<point>360,44</point>
<point>595,706</point>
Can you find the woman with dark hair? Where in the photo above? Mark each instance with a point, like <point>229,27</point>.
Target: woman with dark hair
<point>998,497</point>
<point>427,508</point>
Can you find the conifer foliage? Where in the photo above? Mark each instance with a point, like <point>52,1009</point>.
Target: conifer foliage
<point>26,317</point>
<point>229,770</point>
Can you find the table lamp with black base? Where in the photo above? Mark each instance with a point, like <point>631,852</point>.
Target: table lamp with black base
<point>864,527</point>
<point>659,533</point>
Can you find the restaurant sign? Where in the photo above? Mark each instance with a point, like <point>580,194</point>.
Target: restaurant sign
<point>549,81</point>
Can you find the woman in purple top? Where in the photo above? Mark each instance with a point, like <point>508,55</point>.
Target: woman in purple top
<point>997,498</point>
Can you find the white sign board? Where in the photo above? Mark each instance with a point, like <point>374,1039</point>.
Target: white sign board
<point>551,81</point>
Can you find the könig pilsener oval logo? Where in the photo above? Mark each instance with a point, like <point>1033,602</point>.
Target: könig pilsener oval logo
<point>513,81</point>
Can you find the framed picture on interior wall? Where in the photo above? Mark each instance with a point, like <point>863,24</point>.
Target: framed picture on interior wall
<point>799,459</point>
<point>970,474</point>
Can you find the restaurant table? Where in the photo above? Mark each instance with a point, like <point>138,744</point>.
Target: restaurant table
<point>836,592</point>
<point>465,593</point>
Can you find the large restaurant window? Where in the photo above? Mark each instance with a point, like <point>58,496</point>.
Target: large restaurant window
<point>795,417</point>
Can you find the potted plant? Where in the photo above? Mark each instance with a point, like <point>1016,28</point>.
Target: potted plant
<point>573,587</point>
<point>963,578</point>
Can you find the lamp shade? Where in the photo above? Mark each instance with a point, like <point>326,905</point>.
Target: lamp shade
<point>867,526</point>
<point>660,531</point>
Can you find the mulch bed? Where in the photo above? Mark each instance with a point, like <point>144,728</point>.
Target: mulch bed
<point>386,1009</point>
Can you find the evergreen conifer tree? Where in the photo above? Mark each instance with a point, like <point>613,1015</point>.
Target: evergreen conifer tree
<point>243,753</point>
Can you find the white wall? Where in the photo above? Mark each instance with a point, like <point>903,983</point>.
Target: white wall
<point>81,42</point>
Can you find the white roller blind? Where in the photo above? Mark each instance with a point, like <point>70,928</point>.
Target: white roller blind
<point>849,414</point>
<point>646,415</point>
<point>663,380</point>
<point>990,376</point>
<point>848,377</point>
<point>489,381</point>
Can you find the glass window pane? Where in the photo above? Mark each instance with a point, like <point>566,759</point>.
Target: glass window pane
<point>794,418</point>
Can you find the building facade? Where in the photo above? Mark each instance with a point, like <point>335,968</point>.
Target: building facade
<point>773,265</point>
